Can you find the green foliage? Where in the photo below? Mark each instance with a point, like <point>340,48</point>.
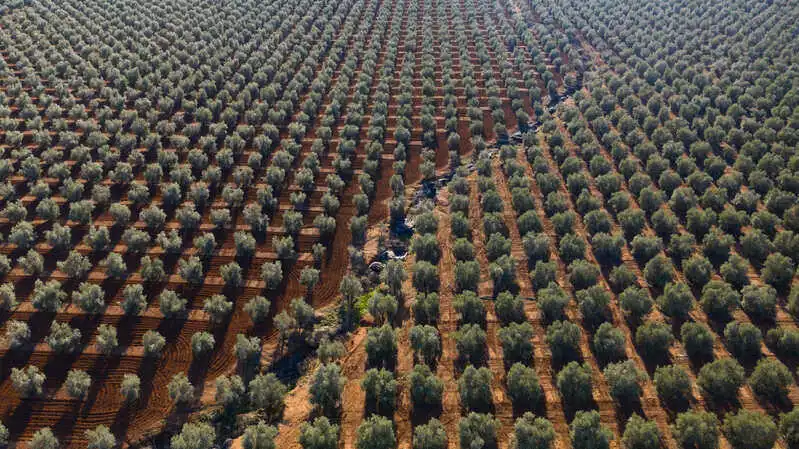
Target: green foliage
<point>641,434</point>
<point>470,340</point>
<point>532,432</point>
<point>381,390</point>
<point>699,430</point>
<point>259,436</point>
<point>721,379</point>
<point>673,384</point>
<point>750,430</point>
<point>743,340</point>
<point>653,339</point>
<point>524,388</point>
<point>426,388</point>
<point>771,380</point>
<point>376,432</point>
<point>429,436</point>
<point>574,382</point>
<point>267,393</point>
<point>587,432</point>
<point>563,338</point>
<point>197,436</point>
<point>609,343</point>
<point>326,388</point>
<point>697,339</point>
<point>624,380</point>
<point>381,346</point>
<point>474,387</point>
<point>789,428</point>
<point>319,434</point>
<point>478,431</point>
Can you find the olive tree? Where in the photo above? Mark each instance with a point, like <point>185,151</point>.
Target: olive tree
<point>197,435</point>
<point>28,381</point>
<point>63,339</point>
<point>376,432</point>
<point>721,379</point>
<point>563,338</point>
<point>259,436</point>
<point>426,343</point>
<point>426,389</point>
<point>743,340</point>
<point>789,428</point>
<point>18,334</point>
<point>319,434</point>
<point>474,387</point>
<point>470,340</point>
<point>266,393</point>
<point>524,388</point>
<point>532,432</point>
<point>77,383</point>
<point>609,343</point>
<point>771,379</point>
<point>380,388</point>
<point>624,380</point>
<point>4,436</point>
<point>516,341</point>
<point>574,383</point>
<point>130,388</point>
<point>180,390</point>
<point>641,434</point>
<point>672,384</point>
<point>430,436</point>
<point>100,438</point>
<point>153,343</point>
<point>326,388</point>
<point>44,439</point>
<point>229,392</point>
<point>654,339</point>
<point>587,432</point>
<point>383,307</point>
<point>258,308</point>
<point>478,431</point>
<point>750,430</point>
<point>697,339</point>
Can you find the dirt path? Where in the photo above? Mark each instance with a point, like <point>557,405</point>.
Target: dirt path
<point>403,414</point>
<point>447,325</point>
<point>541,353</point>
<point>486,285</point>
